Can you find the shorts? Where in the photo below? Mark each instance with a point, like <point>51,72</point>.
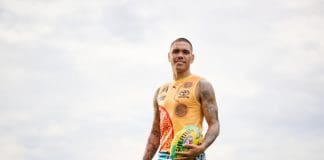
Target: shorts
<point>166,156</point>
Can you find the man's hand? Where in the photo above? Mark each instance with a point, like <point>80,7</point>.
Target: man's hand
<point>194,151</point>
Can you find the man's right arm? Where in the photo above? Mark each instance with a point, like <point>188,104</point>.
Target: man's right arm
<point>154,138</point>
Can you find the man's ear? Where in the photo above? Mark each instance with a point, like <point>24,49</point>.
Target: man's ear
<point>169,57</point>
<point>193,58</point>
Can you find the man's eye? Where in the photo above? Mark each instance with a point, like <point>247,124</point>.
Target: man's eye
<point>186,52</point>
<point>176,51</point>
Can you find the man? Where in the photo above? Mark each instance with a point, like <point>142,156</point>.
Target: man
<point>184,101</point>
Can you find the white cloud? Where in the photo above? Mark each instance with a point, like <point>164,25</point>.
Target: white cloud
<point>10,148</point>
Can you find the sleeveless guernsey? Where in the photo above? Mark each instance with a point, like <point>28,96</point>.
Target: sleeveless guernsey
<point>178,108</point>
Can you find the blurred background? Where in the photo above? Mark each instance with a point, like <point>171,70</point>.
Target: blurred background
<point>77,77</point>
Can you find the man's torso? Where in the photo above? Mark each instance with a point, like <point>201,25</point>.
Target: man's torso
<point>179,107</point>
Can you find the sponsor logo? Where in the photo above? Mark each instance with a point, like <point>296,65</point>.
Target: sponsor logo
<point>184,93</point>
<point>162,97</point>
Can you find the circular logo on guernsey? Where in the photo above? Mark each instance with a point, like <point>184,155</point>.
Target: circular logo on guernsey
<point>181,110</point>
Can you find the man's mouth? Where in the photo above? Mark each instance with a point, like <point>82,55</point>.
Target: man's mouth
<point>179,62</point>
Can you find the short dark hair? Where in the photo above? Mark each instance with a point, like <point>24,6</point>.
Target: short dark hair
<point>182,40</point>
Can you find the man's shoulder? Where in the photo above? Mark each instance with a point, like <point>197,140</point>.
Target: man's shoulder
<point>204,85</point>
<point>203,82</point>
<point>164,86</point>
<point>198,77</point>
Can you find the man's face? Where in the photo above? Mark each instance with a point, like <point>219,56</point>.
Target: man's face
<point>180,56</point>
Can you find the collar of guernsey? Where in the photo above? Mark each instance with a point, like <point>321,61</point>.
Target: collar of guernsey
<point>179,107</point>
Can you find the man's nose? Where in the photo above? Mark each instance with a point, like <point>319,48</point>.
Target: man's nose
<point>180,55</point>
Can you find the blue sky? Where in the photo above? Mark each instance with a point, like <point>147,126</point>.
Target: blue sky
<point>77,77</point>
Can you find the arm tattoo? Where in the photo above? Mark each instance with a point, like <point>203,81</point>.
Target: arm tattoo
<point>154,138</point>
<point>209,98</point>
<point>205,93</point>
<point>152,145</point>
<point>209,107</point>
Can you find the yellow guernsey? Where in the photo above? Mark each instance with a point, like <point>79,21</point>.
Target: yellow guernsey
<point>178,108</point>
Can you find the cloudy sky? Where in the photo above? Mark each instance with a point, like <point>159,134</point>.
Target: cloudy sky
<point>77,77</point>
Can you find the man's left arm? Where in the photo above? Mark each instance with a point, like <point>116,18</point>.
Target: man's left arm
<point>210,110</point>
<point>207,99</point>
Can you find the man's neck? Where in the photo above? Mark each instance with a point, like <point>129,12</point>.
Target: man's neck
<point>177,75</point>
